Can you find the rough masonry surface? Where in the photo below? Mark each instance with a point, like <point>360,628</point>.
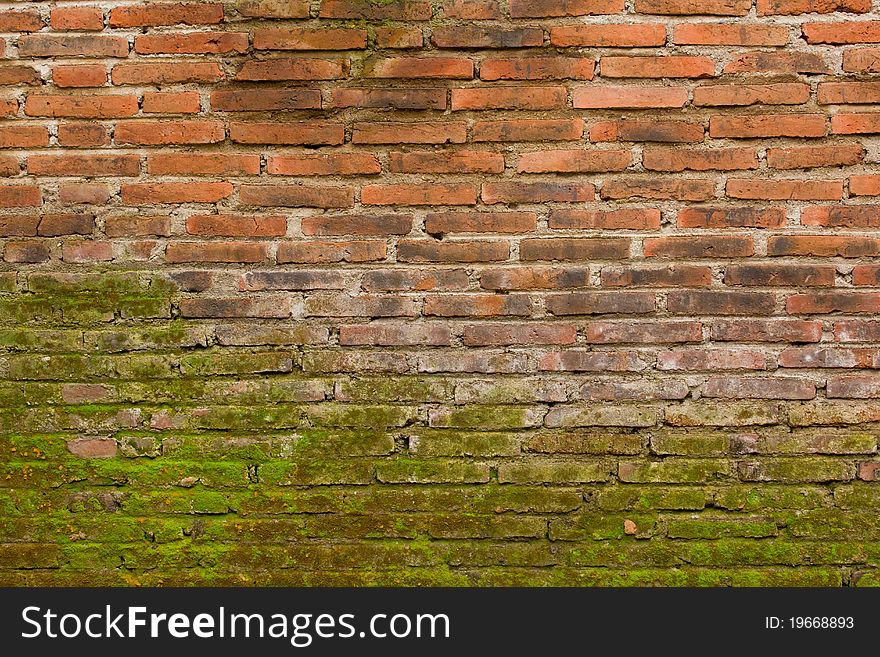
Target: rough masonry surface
<point>448,292</point>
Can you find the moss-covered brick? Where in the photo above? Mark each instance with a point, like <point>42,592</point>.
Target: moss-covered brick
<point>432,471</point>
<point>311,471</point>
<point>754,497</point>
<point>712,412</point>
<point>673,470</point>
<point>375,417</point>
<point>474,416</point>
<point>585,441</point>
<point>689,443</point>
<point>455,442</point>
<point>649,498</point>
<point>602,526</point>
<point>570,472</point>
<point>213,363</point>
<point>797,469</point>
<point>394,389</point>
<point>172,335</point>
<point>709,526</point>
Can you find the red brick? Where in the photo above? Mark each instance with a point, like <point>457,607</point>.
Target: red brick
<point>408,10</point>
<point>137,226</point>
<point>296,196</point>
<point>171,102</point>
<point>477,305</point>
<point>20,21</point>
<point>843,93</point>
<point>477,36</point>
<point>399,37</point>
<point>534,278</point>
<point>591,361</point>
<point>81,107</point>
<point>409,133</point>
<point>861,60</point>
<point>790,7</point>
<point>758,388</point>
<point>623,219</point>
<point>410,280</point>
<point>417,99</point>
<point>171,13</point>
<point>623,332</point>
<point>807,157</point>
<point>274,8</point>
<point>600,303</point>
<point>298,133</point>
<point>573,161</point>
<point>299,38</point>
<point>523,98</point>
<point>823,245</point>
<point>155,133</point>
<point>180,192</point>
<point>98,164</point>
<point>767,125</point>
<point>448,251</point>
<point>215,252</point>
<point>278,307</point>
<point>439,223</point>
<point>735,217</point>
<point>654,276</point>
<point>694,7</point>
<point>331,252</point>
<point>715,302</point>
<point>72,45</point>
<point>446,162</point>
<point>868,185</point>
<point>574,249</point>
<point>697,359</point>
<point>537,68</point>
<point>20,196</point>
<point>849,31</point>
<point>12,75</point>
<point>693,189</point>
<point>80,75</point>
<point>833,302</point>
<point>471,9</point>
<point>529,130</point>
<point>432,334</point>
<point>785,190</point>
<point>166,73</point>
<point>80,135</point>
<point>503,335</point>
<point>383,224</point>
<point>455,68</point>
<point>819,357</point>
<point>293,68</point>
<point>642,130</point>
<point>778,63</point>
<point>536,192</point>
<point>671,66</point>
<point>684,247</point>
<point>853,387</point>
<point>184,164</point>
<point>628,97</point>
<point>86,252</point>
<point>77,18</point>
<point>766,330</point>
<point>88,193</point>
<point>323,164</point>
<point>780,93</point>
<point>730,34</point>
<point>708,159</point>
<point>851,216</point>
<point>777,275</point>
<point>640,35</point>
<point>26,252</point>
<point>419,194</point>
<point>854,124</point>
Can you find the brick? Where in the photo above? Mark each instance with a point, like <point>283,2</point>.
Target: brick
<point>684,247</point>
<point>77,18</point>
<point>855,216</point>
<point>308,39</point>
<point>539,192</point>
<point>597,303</point>
<point>497,335</point>
<point>856,330</point>
<point>297,133</point>
<point>20,196</point>
<point>854,124</point>
<point>72,45</point>
<point>705,302</point>
<point>415,194</point>
<point>861,60</point>
<point>591,361</point>
<point>769,330</point>
<point>830,302</point>
<point>296,196</point>
<point>849,32</point>
<point>447,251</point>
<point>477,305</point>
<point>844,93</point>
<point>20,21</point>
<point>865,275</point>
<point>183,164</point>
<point>416,99</point>
<point>806,157</point>
<point>266,100</point>
<point>537,68</point>
<point>695,189</point>
<point>409,10</point>
<point>383,224</point>
<point>228,225</point>
<point>420,67</point>
<point>864,185</point>
<point>408,280</point>
<point>736,217</point>
<point>722,159</point>
<point>384,335</point>
<point>654,276</point>
<point>529,130</point>
<point>235,307</point>
<point>215,252</point>
<point>439,223</point>
<point>640,130</point>
<point>767,125</point>
<point>329,164</point>
<point>641,35</point>
<point>774,275</point>
<point>166,73</point>
<point>822,245</point>
<point>791,7</point>
<point>780,93</point>
<point>815,357</point>
<point>672,66</point>
<point>695,359</point>
<point>574,248</point>
<point>155,15</point>
<point>573,161</point>
<point>624,219</point>
<point>331,252</point>
<point>727,387</point>
<point>471,9</point>
<point>551,8</point>
<point>80,135</point>
<point>30,252</point>
<point>84,165</point>
<point>183,192</point>
<point>171,102</point>
<point>784,189</point>
<point>409,133</point>
<point>293,68</point>
<point>446,162</point>
<point>137,226</point>
<point>691,7</point>
<point>81,107</point>
<point>534,278</point>
<point>12,75</point>
<point>477,36</point>
<point>778,63</point>
<point>629,97</point>
<point>522,98</point>
<point>728,34</point>
<point>155,133</point>
<point>80,75</point>
<point>399,37</point>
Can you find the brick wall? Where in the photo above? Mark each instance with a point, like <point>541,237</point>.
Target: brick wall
<point>450,292</point>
